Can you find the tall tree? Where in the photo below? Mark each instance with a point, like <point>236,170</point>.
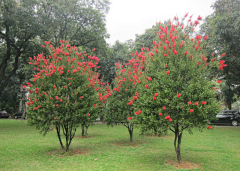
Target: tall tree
<point>83,22</point>
<point>26,23</point>
<point>19,24</point>
<point>178,92</point>
<point>63,92</point>
<point>223,28</point>
<point>119,52</point>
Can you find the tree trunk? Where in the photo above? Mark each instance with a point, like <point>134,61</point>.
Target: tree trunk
<point>20,101</point>
<point>177,145</point>
<point>83,132</point>
<point>24,105</point>
<point>59,136</point>
<point>86,130</point>
<point>130,130</point>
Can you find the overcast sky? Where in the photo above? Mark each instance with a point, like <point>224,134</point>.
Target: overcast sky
<point>129,17</point>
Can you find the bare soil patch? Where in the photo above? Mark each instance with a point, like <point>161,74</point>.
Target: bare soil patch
<point>71,152</point>
<point>183,165</point>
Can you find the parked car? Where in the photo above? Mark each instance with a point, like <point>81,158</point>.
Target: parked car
<point>4,114</point>
<point>227,117</point>
<point>19,115</point>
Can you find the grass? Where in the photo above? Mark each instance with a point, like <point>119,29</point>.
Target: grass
<point>107,148</point>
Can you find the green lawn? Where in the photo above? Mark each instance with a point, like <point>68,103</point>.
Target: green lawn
<point>23,148</point>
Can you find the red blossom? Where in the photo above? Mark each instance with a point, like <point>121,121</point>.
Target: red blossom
<point>35,108</point>
<point>156,94</point>
<point>129,118</point>
<point>179,95</point>
<point>219,81</point>
<point>206,37</point>
<point>81,97</point>
<point>168,72</point>
<point>160,114</point>
<point>88,114</point>
<point>204,102</point>
<point>146,86</point>
<point>55,118</point>
<point>196,22</point>
<point>222,55</point>
<point>94,105</point>
<point>167,117</point>
<point>139,111</point>
<point>130,103</point>
<point>167,42</point>
<point>136,113</point>
<point>154,98</point>
<point>196,103</point>
<point>189,102</point>
<point>209,127</point>
<point>164,107</point>
<point>191,110</point>
<point>186,53</point>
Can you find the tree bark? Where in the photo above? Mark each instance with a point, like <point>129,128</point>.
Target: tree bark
<point>83,132</point>
<point>177,145</point>
<point>59,136</point>
<point>130,130</point>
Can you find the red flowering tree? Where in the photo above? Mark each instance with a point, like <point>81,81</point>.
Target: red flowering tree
<point>63,91</point>
<point>180,95</point>
<point>120,101</point>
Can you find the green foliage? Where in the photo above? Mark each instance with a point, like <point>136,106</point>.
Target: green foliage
<point>223,30</point>
<point>83,22</point>
<point>178,92</point>
<point>64,91</point>
<point>18,26</point>
<point>123,95</point>
<point>25,24</point>
<point>145,39</point>
<point>119,52</point>
<point>178,72</point>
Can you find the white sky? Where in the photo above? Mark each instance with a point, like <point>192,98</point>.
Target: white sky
<point>129,17</point>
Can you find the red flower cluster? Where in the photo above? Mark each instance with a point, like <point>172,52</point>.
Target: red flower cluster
<point>169,118</point>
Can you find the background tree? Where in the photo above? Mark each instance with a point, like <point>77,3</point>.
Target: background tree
<point>118,52</point>
<point>83,22</point>
<point>145,39</point>
<point>120,108</point>
<point>180,95</point>
<point>19,24</point>
<point>63,91</point>
<point>223,28</point>
<point>25,24</point>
